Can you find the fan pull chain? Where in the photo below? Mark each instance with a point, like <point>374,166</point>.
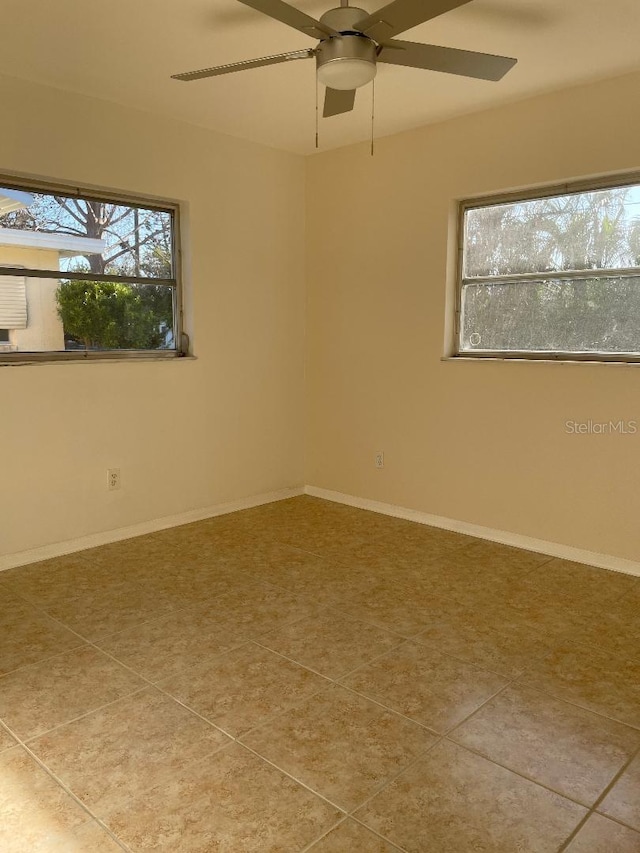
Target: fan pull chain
<point>373,112</point>
<point>317,119</point>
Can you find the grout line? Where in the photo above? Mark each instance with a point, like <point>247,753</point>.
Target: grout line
<point>293,778</point>
<point>26,748</point>
<point>125,696</point>
<point>391,779</point>
<point>81,642</point>
<point>613,819</point>
<point>519,773</point>
<point>600,799</point>
<point>477,710</point>
<point>338,678</point>
<point>574,703</point>
<point>309,847</point>
<point>384,838</point>
<point>148,683</point>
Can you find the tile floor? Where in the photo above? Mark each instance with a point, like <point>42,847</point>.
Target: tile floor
<point>305,676</point>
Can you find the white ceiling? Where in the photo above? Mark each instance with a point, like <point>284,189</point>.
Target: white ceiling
<point>126,50</point>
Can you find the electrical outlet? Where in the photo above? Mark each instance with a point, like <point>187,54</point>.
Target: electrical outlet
<point>113,479</point>
<point>380,459</point>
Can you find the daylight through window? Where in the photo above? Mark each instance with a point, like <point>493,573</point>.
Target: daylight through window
<point>86,276</point>
<point>553,276</point>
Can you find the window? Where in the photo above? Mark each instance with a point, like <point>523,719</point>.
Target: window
<point>556,275</point>
<point>86,275</point>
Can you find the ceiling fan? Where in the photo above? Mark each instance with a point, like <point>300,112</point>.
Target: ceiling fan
<point>352,42</point>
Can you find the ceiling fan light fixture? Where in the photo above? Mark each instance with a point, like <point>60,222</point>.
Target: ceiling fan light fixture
<point>346,62</point>
<point>347,73</point>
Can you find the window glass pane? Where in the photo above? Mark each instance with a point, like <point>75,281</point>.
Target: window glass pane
<point>64,314</point>
<point>570,316</point>
<point>4,336</point>
<point>580,231</point>
<point>46,231</point>
<point>108,316</point>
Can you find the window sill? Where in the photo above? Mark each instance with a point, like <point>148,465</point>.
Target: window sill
<point>563,361</point>
<point>57,362</point>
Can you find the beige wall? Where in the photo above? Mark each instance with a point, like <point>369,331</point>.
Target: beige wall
<point>186,434</point>
<point>483,443</point>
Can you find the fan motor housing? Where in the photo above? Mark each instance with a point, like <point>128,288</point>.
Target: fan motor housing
<point>344,18</point>
<point>346,47</point>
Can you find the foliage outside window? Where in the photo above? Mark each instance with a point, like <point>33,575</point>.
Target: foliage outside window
<point>553,276</point>
<point>100,275</point>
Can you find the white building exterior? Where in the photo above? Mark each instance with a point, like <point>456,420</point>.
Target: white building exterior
<point>29,320</point>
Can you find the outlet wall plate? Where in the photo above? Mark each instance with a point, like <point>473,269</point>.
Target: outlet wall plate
<point>114,480</point>
<point>380,459</point>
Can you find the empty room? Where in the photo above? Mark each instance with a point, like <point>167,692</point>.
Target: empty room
<point>320,436</point>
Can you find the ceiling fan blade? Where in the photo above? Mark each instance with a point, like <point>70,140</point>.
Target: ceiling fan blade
<point>402,15</point>
<point>244,65</point>
<point>467,63</point>
<point>337,101</point>
<point>291,16</point>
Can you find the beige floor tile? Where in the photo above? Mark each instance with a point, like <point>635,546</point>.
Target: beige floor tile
<point>89,838</point>
<point>592,679</point>
<point>211,539</point>
<point>36,698</point>
<point>623,801</point>
<point>49,580</point>
<point>244,687</point>
<point>355,838</point>
<point>114,754</point>
<point>167,646</point>
<point>568,749</point>
<point>541,608</point>
<point>616,631</point>
<point>501,559</point>
<point>327,541</point>
<point>420,682</point>
<point>579,581</point>
<point>508,651</point>
<point>330,643</point>
<point>339,587</point>
<point>28,635</point>
<point>470,611</point>
<point>452,801</point>
<point>405,549</point>
<point>600,835</point>
<point>340,745</point>
<point>397,606</point>
<point>91,599</point>
<point>38,816</point>
<point>425,535</point>
<point>100,611</point>
<point>280,565</point>
<point>258,609</point>
<point>187,585</point>
<point>231,802</point>
<point>147,549</point>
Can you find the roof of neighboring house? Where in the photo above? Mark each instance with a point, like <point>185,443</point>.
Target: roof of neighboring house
<point>11,200</point>
<point>67,245</point>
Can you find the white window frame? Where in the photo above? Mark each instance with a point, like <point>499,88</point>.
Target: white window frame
<point>28,185</point>
<point>574,187</point>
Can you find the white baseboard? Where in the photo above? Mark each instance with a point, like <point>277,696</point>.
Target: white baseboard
<point>540,546</point>
<point>70,546</point>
